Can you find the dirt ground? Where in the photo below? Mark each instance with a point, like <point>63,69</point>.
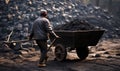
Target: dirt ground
<point>103,57</point>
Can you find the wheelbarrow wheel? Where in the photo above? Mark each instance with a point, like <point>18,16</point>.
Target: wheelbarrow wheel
<point>60,52</point>
<point>82,52</point>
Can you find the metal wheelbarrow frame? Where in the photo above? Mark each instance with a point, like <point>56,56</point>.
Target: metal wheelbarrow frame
<point>75,40</point>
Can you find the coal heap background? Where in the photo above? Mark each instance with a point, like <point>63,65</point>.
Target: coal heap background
<point>20,14</point>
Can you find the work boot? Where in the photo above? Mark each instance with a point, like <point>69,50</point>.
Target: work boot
<point>42,65</point>
<point>46,59</point>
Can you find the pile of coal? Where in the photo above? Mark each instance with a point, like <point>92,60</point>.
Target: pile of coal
<point>20,15</point>
<point>75,25</point>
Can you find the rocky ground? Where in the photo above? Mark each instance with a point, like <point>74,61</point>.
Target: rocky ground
<point>103,57</point>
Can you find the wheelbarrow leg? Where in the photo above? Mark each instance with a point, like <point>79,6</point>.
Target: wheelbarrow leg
<point>51,44</point>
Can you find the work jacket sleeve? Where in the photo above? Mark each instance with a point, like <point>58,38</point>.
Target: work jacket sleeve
<point>49,29</point>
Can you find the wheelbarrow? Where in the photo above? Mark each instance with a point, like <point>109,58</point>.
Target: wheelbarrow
<point>75,40</point>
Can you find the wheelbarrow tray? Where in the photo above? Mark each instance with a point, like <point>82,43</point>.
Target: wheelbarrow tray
<point>79,38</point>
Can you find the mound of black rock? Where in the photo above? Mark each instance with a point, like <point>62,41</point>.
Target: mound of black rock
<point>75,25</point>
<point>20,14</point>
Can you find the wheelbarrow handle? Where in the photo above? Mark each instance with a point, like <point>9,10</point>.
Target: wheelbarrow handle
<point>52,43</point>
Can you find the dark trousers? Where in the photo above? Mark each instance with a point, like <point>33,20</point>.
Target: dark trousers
<point>43,50</point>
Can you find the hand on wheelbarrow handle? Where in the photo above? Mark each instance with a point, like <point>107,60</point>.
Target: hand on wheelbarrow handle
<point>52,43</point>
<point>57,37</point>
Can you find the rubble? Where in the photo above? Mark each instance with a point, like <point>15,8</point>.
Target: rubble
<point>25,12</point>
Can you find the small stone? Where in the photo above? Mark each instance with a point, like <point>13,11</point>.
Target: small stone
<point>9,16</point>
<point>23,52</point>
<point>97,55</point>
<point>109,56</point>
<point>106,52</point>
<point>118,54</point>
<point>32,49</point>
<point>7,1</point>
<point>19,17</point>
<point>16,7</point>
<point>29,2</point>
<point>17,57</point>
<point>101,49</point>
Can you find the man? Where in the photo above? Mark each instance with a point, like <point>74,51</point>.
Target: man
<point>40,30</point>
